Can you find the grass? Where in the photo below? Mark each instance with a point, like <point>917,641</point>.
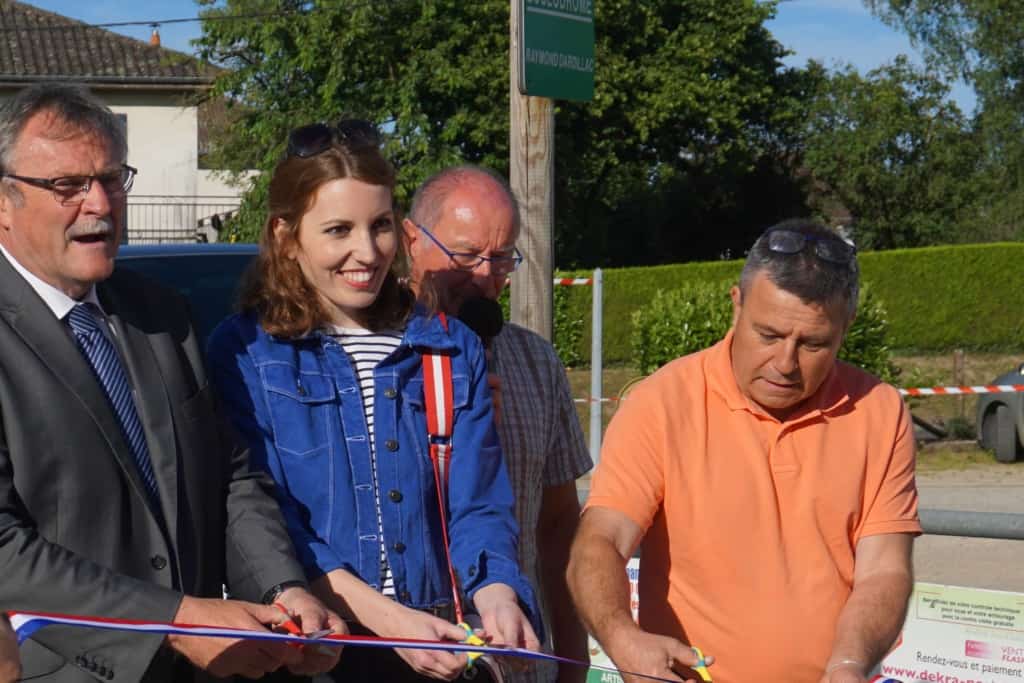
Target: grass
<point>953,413</point>
<point>958,459</point>
<point>613,380</point>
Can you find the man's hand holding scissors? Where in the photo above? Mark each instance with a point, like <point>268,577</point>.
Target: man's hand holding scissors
<point>309,617</point>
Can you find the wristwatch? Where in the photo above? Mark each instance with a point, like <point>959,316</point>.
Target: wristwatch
<point>271,596</point>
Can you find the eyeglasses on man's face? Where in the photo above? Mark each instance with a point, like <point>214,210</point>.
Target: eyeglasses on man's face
<point>501,264</point>
<point>72,190</point>
<point>833,249</point>
<point>317,138</point>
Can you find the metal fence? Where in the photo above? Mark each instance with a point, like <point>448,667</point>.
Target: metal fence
<point>156,219</point>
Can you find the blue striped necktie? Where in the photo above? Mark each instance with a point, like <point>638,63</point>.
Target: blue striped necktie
<point>106,363</point>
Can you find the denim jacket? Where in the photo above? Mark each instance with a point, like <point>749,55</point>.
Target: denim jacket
<point>298,404</point>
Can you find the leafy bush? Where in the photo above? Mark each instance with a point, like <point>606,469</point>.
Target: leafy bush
<point>567,325</point>
<point>567,328</point>
<point>699,314</point>
<point>867,341</point>
<point>679,322</point>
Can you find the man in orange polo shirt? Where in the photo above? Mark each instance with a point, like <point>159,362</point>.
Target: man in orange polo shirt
<point>772,487</point>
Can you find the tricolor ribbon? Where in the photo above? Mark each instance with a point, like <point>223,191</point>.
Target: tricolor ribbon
<point>25,624</point>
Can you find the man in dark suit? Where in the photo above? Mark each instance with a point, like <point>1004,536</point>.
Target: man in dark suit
<point>121,492</point>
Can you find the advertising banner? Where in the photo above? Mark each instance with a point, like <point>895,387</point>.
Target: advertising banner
<point>959,635</point>
<point>951,635</point>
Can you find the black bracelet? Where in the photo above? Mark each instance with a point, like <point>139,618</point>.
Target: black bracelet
<point>271,595</point>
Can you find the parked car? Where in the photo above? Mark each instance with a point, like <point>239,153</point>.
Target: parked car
<point>206,274</point>
<point>1001,418</point>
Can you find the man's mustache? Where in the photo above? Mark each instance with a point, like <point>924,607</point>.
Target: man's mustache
<point>103,227</point>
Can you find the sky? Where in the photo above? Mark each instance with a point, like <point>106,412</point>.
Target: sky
<point>837,32</point>
<point>832,31</point>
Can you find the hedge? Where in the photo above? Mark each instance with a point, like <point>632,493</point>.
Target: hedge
<point>937,298</point>
<point>696,315</point>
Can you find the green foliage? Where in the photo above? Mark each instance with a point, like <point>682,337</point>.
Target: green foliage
<point>627,290</point>
<point>866,344</point>
<point>935,298</point>
<point>961,428</point>
<point>568,328</point>
<point>247,224</point>
<point>680,322</point>
<point>950,297</point>
<point>658,155</point>
<point>970,38</point>
<point>698,314</point>
<point>433,75</point>
<point>893,151</point>
<point>568,325</point>
<point>663,152</point>
<point>979,41</point>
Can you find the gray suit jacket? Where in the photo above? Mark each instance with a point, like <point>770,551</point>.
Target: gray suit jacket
<point>76,534</point>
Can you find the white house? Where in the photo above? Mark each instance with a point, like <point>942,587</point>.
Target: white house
<point>153,88</point>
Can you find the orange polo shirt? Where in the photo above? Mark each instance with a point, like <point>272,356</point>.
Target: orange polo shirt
<point>751,523</point>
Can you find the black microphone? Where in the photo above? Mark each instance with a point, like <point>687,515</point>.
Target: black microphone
<point>483,316</point>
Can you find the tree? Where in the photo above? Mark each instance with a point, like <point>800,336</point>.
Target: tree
<point>979,41</point>
<point>892,150</point>
<point>971,38</point>
<point>692,110</point>
<point>685,152</point>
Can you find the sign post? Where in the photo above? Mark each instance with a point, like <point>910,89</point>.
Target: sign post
<point>558,49</point>
<point>551,57</point>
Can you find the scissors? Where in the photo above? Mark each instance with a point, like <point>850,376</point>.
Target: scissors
<point>293,628</point>
<point>472,639</point>
<point>701,666</point>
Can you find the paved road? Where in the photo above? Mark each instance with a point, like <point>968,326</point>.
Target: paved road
<point>976,562</point>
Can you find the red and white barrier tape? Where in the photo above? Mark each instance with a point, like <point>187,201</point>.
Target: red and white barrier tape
<point>27,623</point>
<point>565,281</point>
<point>958,391</point>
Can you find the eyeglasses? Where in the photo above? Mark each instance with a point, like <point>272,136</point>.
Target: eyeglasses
<point>833,249</point>
<point>71,190</point>
<point>499,264</point>
<point>317,138</point>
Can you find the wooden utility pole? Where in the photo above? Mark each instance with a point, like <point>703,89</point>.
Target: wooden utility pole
<point>532,175</point>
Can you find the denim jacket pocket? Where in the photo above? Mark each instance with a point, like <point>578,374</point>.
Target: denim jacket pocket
<point>300,406</point>
<point>412,392</point>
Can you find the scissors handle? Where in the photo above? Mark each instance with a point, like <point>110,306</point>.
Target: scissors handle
<point>290,625</point>
<point>472,639</point>
<point>701,666</point>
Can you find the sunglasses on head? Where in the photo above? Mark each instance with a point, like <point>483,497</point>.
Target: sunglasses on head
<point>317,138</point>
<point>833,249</point>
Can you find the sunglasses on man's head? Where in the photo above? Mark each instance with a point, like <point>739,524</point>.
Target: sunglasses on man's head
<point>833,249</point>
<point>317,138</point>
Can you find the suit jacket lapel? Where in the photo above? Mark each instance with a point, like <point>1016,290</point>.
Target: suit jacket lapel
<point>52,342</point>
<point>142,366</point>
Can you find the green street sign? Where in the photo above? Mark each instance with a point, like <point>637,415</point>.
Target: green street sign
<point>557,49</point>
